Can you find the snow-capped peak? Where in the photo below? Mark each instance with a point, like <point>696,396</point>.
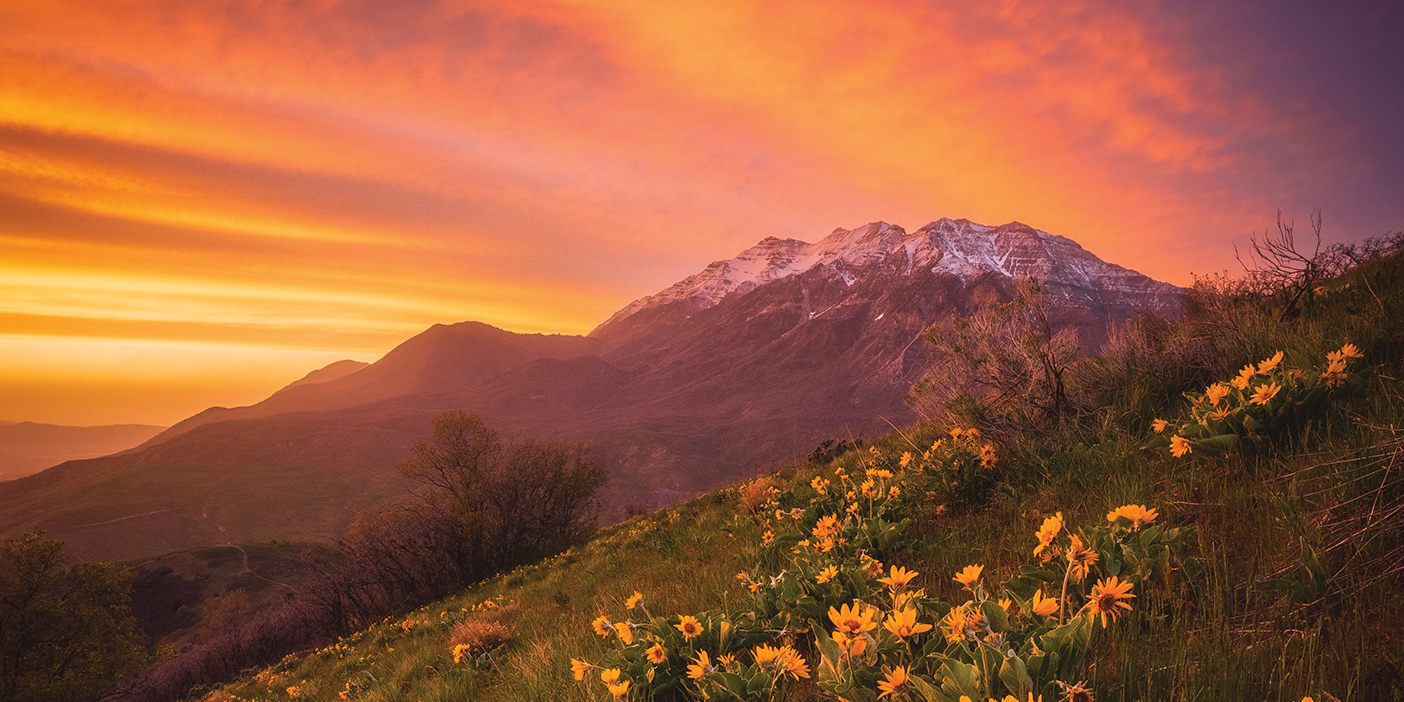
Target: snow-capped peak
<point>958,247</point>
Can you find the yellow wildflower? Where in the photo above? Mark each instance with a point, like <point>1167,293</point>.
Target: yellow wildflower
<point>828,525</point>
<point>903,624</point>
<point>869,489</point>
<point>855,619</point>
<point>894,682</point>
<point>987,455</point>
<point>701,667</point>
<point>959,623</point>
<point>827,574</point>
<point>689,626</point>
<point>1216,392</point>
<point>820,485</point>
<point>898,578</point>
<point>1159,425</point>
<point>634,600</point>
<point>853,646</point>
<point>602,626</point>
<point>1043,606</point>
<point>1270,364</point>
<point>1350,351</point>
<point>1264,393</point>
<point>626,632</point>
<point>609,676</point>
<point>906,459</point>
<point>578,668</point>
<point>656,654</point>
<point>1179,446</point>
<point>793,663</point>
<point>1048,532</point>
<point>620,689</point>
<point>458,652</point>
<point>1245,376</point>
<point>969,576</point>
<point>767,538</point>
<point>1137,514</point>
<point>1107,596</point>
<point>1081,558</point>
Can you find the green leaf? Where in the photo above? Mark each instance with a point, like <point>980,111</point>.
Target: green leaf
<point>1015,677</point>
<point>995,615</point>
<point>1216,445</point>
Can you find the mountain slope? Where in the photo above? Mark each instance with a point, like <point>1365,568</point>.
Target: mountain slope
<point>747,364</point>
<point>444,358</point>
<point>27,447</point>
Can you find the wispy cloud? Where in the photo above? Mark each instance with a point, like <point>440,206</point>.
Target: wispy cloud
<point>333,174</point>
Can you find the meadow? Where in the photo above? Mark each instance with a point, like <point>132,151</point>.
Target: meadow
<point>1215,515</point>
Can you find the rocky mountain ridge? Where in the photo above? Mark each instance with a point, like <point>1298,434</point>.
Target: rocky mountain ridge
<point>745,365</point>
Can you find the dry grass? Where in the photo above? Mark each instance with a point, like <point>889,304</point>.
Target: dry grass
<point>479,636</point>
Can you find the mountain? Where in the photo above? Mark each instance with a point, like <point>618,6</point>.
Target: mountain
<point>442,359</point>
<point>326,374</point>
<point>747,364</point>
<point>27,447</point>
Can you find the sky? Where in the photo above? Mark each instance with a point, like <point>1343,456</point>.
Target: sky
<point>201,201</point>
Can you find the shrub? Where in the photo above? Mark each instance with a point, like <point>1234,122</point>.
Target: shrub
<point>1266,402</point>
<point>1005,369</point>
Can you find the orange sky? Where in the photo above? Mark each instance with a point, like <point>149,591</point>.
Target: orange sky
<point>202,201</point>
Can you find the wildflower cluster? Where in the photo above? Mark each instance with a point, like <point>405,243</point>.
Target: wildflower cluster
<point>1263,402</point>
<point>825,606</point>
<point>706,656</point>
<point>1020,642</point>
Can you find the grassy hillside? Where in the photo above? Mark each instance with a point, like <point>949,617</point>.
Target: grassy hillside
<point>1262,563</point>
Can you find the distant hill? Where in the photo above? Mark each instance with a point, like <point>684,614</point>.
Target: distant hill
<point>27,447</point>
<point>326,374</point>
<point>745,365</point>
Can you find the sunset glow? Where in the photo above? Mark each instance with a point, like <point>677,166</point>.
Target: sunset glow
<point>202,201</point>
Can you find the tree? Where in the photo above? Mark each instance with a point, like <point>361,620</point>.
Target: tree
<point>1005,367</point>
<point>66,633</point>
<point>494,504</point>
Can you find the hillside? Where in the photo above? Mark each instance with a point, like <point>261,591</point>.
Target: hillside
<point>748,364</point>
<point>1256,559</point>
<point>28,447</point>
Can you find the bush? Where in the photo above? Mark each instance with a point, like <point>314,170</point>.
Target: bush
<point>1005,369</point>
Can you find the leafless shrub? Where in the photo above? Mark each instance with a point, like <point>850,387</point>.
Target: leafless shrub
<point>1004,369</point>
<point>479,636</point>
<point>755,493</point>
<point>1275,266</point>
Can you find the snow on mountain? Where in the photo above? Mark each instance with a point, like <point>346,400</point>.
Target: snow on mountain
<point>956,247</point>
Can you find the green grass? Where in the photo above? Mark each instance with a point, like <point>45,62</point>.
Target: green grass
<point>1229,633</point>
